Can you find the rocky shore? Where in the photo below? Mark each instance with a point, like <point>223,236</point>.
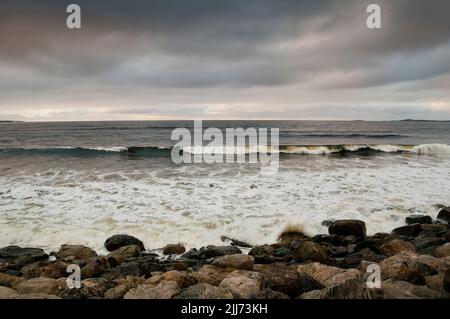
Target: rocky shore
<point>414,262</point>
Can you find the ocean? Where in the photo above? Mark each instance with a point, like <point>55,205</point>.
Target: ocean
<point>80,182</point>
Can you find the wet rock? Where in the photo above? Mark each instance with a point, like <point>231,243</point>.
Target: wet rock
<point>117,241</point>
<point>210,274</point>
<point>396,246</point>
<point>310,251</point>
<point>268,293</point>
<point>339,283</point>
<point>286,279</point>
<point>14,255</point>
<point>33,270</point>
<point>408,231</point>
<point>38,285</point>
<point>282,252</point>
<point>404,267</point>
<point>174,249</point>
<point>237,261</point>
<point>10,281</point>
<point>418,219</point>
<point>116,292</point>
<point>95,267</point>
<point>7,293</point>
<point>444,215</point>
<point>347,227</point>
<point>183,279</point>
<point>337,251</point>
<point>243,284</point>
<point>54,270</point>
<point>165,290</point>
<point>119,255</point>
<point>137,267</point>
<point>204,291</point>
<point>211,251</point>
<point>75,252</point>
<point>236,242</point>
<point>262,254</point>
<point>289,236</point>
<point>436,230</point>
<point>403,290</point>
<point>442,251</point>
<point>422,242</point>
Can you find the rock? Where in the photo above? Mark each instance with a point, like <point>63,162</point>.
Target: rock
<point>116,292</point>
<point>7,293</point>
<point>165,290</point>
<point>289,236</point>
<point>181,278</point>
<point>211,251</point>
<point>137,267</point>
<point>10,281</point>
<point>268,293</point>
<point>117,241</point>
<point>237,261</point>
<point>282,252</point>
<point>203,291</point>
<point>95,267</point>
<point>262,254</point>
<point>243,284</point>
<point>442,251</point>
<point>54,270</point>
<point>446,281</point>
<point>345,284</point>
<point>235,242</point>
<point>119,255</point>
<point>404,266</point>
<point>37,296</point>
<point>176,249</point>
<point>15,255</point>
<point>210,274</point>
<point>434,230</point>
<point>403,290</point>
<point>436,283</point>
<point>444,215</point>
<point>353,227</point>
<point>422,242</point>
<point>33,270</point>
<point>396,246</point>
<point>39,285</point>
<point>408,231</point>
<point>75,252</point>
<point>418,219</point>
<point>310,251</point>
<point>337,251</point>
<point>286,279</point>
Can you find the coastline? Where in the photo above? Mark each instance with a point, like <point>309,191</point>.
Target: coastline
<point>413,260</point>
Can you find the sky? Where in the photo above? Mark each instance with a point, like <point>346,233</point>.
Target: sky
<point>234,59</point>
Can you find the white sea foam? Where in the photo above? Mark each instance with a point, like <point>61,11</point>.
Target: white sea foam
<point>196,205</point>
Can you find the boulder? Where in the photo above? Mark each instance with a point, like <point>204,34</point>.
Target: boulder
<point>353,227</point>
<point>210,274</point>
<point>211,251</point>
<point>403,290</point>
<point>310,251</point>
<point>203,291</point>
<point>268,293</point>
<point>443,251</point>
<point>286,279</point>
<point>183,279</point>
<point>10,281</point>
<point>174,249</point>
<point>75,252</point>
<point>39,285</point>
<point>262,254</point>
<point>418,219</point>
<point>117,292</point>
<point>396,246</point>
<point>408,231</point>
<point>243,284</point>
<point>117,241</point>
<point>289,236</point>
<point>54,270</point>
<point>119,255</point>
<point>446,281</point>
<point>444,215</point>
<point>237,261</point>
<point>14,255</point>
<point>95,267</point>
<point>404,266</point>
<point>165,290</point>
<point>7,293</point>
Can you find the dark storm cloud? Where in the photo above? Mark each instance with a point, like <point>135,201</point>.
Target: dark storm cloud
<point>211,44</point>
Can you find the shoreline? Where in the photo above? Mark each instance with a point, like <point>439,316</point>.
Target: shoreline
<point>413,262</point>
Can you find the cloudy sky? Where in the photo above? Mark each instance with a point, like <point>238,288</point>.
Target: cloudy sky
<point>234,59</point>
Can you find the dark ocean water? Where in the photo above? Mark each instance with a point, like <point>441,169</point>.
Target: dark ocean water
<point>79,182</point>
